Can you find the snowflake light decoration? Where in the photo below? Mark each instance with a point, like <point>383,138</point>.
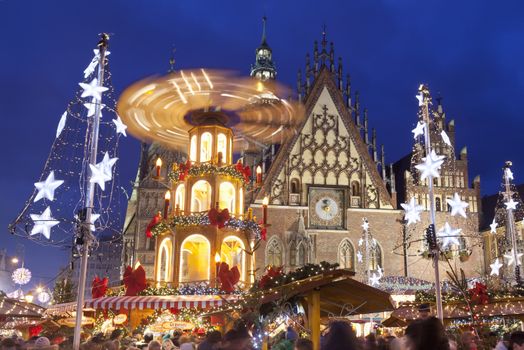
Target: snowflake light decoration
<point>21,276</point>
<point>43,297</point>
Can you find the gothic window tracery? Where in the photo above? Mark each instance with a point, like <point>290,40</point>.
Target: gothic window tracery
<point>346,254</point>
<point>274,252</point>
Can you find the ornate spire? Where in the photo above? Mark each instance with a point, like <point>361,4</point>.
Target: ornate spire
<point>264,67</point>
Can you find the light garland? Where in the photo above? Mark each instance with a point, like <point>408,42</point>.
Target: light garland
<point>198,170</point>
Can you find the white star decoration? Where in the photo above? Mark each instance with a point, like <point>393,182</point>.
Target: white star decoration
<point>420,98</point>
<point>61,124</point>
<point>511,205</point>
<point>92,89</point>
<point>359,256</point>
<point>43,223</point>
<point>412,210</point>
<point>374,280</point>
<point>120,126</point>
<point>493,226</point>
<point>509,174</point>
<point>91,108</point>
<point>46,189</point>
<point>449,235</point>
<point>94,62</point>
<point>94,217</point>
<point>457,205</point>
<point>102,172</point>
<point>365,225</point>
<point>445,138</point>
<point>419,130</point>
<point>495,268</point>
<point>431,165</point>
<point>511,257</point>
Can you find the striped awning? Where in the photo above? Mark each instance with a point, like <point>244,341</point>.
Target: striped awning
<point>159,302</point>
<point>59,309</point>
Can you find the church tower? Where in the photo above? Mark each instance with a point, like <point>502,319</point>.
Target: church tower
<point>264,67</point>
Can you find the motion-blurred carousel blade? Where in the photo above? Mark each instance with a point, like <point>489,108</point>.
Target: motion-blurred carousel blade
<point>164,109</point>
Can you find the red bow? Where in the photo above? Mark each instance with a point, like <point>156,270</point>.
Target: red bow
<point>154,221</point>
<point>99,287</point>
<point>244,170</point>
<point>271,273</point>
<point>184,170</point>
<point>263,233</point>
<point>479,294</point>
<point>218,218</point>
<point>134,280</point>
<point>227,278</point>
<point>35,330</point>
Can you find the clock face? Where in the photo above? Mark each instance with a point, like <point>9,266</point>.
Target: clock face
<point>326,208</point>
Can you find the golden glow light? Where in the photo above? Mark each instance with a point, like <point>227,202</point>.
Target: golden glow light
<point>265,201</point>
<point>167,196</point>
<point>159,162</point>
<point>39,289</point>
<point>217,257</point>
<point>14,260</point>
<point>29,298</point>
<point>259,169</point>
<point>137,264</point>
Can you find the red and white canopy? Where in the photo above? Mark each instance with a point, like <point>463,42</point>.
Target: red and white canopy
<point>148,302</point>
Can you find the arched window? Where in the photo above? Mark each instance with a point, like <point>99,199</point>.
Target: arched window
<point>222,147</point>
<point>206,147</point>
<point>295,186</point>
<point>227,196</point>
<point>375,256</point>
<point>438,204</point>
<point>193,149</point>
<point>346,254</point>
<point>165,266</point>
<point>301,254</point>
<point>180,195</point>
<point>274,252</point>
<point>355,188</point>
<point>200,196</point>
<point>232,252</point>
<point>194,259</point>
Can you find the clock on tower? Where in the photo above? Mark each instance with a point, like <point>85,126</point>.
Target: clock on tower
<point>326,208</point>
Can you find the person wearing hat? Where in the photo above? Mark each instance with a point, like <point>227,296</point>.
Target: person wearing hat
<point>424,311</point>
<point>43,343</point>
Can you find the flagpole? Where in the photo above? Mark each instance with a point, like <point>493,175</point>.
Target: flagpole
<point>436,253</point>
<point>90,192</point>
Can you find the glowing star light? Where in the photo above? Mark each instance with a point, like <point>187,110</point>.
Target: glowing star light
<point>449,235</point>
<point>495,268</point>
<point>102,172</point>
<point>374,280</point>
<point>61,124</point>
<point>431,165</point>
<point>92,89</point>
<point>91,108</point>
<point>43,223</point>
<point>511,258</point>
<point>46,189</point>
<point>511,205</point>
<point>420,98</point>
<point>419,130</point>
<point>120,126</point>
<point>509,174</point>
<point>457,205</point>
<point>21,276</point>
<point>493,226</point>
<point>412,210</point>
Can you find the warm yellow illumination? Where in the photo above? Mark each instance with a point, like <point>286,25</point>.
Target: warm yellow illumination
<point>265,201</point>
<point>167,196</point>
<point>29,298</point>
<point>259,169</point>
<point>158,162</point>
<point>14,260</point>
<point>260,86</point>
<point>195,259</point>
<point>217,257</point>
<point>39,289</point>
<point>137,264</point>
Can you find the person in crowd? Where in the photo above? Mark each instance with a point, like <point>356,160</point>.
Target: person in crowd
<point>211,342</point>
<point>424,311</point>
<point>516,340</point>
<point>503,344</point>
<point>340,337</point>
<point>167,344</point>
<point>117,334</point>
<point>154,345</point>
<point>426,334</point>
<point>303,344</point>
<point>43,343</point>
<point>186,343</point>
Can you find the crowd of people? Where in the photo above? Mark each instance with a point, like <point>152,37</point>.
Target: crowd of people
<point>426,333</point>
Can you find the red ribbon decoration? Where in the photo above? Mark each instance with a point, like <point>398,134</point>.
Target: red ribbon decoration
<point>272,272</point>
<point>479,294</point>
<point>184,170</point>
<point>263,233</point>
<point>244,170</point>
<point>228,278</point>
<point>154,221</point>
<point>99,287</point>
<point>218,218</point>
<point>134,280</point>
<point>34,330</point>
